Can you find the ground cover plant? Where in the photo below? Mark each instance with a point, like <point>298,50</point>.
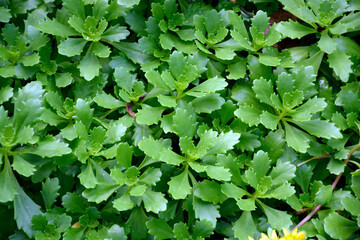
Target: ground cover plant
<point>179,119</point>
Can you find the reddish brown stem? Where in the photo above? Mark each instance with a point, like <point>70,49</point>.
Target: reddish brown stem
<point>129,109</point>
<point>317,208</point>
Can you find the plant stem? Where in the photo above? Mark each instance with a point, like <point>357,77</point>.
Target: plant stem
<point>325,155</point>
<point>317,208</point>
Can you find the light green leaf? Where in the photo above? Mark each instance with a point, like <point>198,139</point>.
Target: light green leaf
<point>8,184</point>
<point>50,191</point>
<point>294,29</point>
<point>28,105</point>
<point>263,90</point>
<point>296,138</point>
<point>100,193</point>
<point>249,115</point>
<point>339,227</point>
<point>181,231</point>
<point>108,101</point>
<point>89,66</point>
<point>5,14</point>
<point>63,79</point>
<point>83,112</point>
<point>205,211</point>
<point>208,103</point>
<point>306,110</point>
<point>22,166</point>
<point>124,155</point>
<point>210,191</point>
<point>179,186</point>
<point>159,229</point>
<point>320,128</point>
<point>244,226</point>
<point>51,147</point>
<point>341,64</point>
<point>218,173</point>
<point>209,86</point>
<point>277,219</point>
<point>25,208</point>
<point>171,157</point>
<point>101,50</point>
<point>151,147</point>
<point>6,93</point>
<point>115,34</point>
<point>151,176</point>
<point>31,60</point>
<point>167,101</point>
<point>87,177</point>
<point>323,195</point>
<point>56,28</point>
<point>154,201</point>
<point>184,123</point>
<point>149,115</point>
<point>137,190</point>
<point>224,143</point>
<point>71,46</point>
<point>269,120</point>
<point>351,205</point>
<point>326,43</point>
<point>282,173</point>
<point>123,203</point>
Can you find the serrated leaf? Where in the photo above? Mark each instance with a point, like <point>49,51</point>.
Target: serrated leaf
<point>327,44</point>
<point>339,227</point>
<point>209,86</point>
<point>50,191</point>
<point>123,203</point>
<point>87,177</point>
<point>7,184</point>
<point>149,115</point>
<point>151,176</point>
<point>108,101</point>
<point>218,173</point>
<point>206,211</point>
<point>225,142</point>
<point>283,192</point>
<point>282,173</point>
<point>101,50</point>
<point>208,103</point>
<point>306,110</point>
<point>100,193</point>
<point>210,191</point>
<point>89,66</point>
<point>320,128</point>
<point>25,208</point>
<point>323,195</point>
<point>351,204</point>
<point>56,28</point>
<point>249,115</point>
<point>71,46</point>
<point>154,201</point>
<point>159,229</point>
<point>83,112</point>
<point>277,219</point>
<point>263,89</point>
<point>341,64</point>
<point>244,226</point>
<point>51,147</point>
<point>22,166</point>
<point>63,79</point>
<point>181,231</point>
<point>171,157</point>
<point>294,29</point>
<point>115,34</point>
<point>202,229</point>
<point>296,138</point>
<point>269,120</point>
<point>179,186</point>
<point>151,147</point>
<point>28,105</point>
<point>73,202</point>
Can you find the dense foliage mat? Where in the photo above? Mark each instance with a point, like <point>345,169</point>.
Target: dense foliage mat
<point>165,119</point>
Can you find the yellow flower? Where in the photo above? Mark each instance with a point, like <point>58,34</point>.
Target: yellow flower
<point>294,235</point>
<point>265,237</point>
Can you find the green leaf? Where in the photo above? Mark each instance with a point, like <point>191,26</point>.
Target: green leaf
<point>218,173</point>
<point>277,219</point>
<point>87,177</point>
<point>75,7</point>
<point>8,184</point>
<point>206,211</point>
<point>74,233</point>
<point>22,166</point>
<point>5,14</point>
<point>25,208</point>
<point>159,229</point>
<point>63,79</point>
<point>154,201</point>
<point>31,60</point>
<point>249,115</point>
<point>306,110</point>
<point>83,112</point>
<point>181,231</point>
<point>320,128</point>
<point>89,66</point>
<point>208,103</point>
<point>101,50</point>
<point>209,86</point>
<point>296,138</point>
<point>6,93</point>
<point>137,190</point>
<point>56,28</point>
<point>293,29</point>
<point>71,46</point>
<point>244,226</point>
<point>137,221</point>
<point>108,101</point>
<point>167,101</point>
<point>323,195</point>
<point>202,229</point>
<point>28,105</point>
<point>282,173</point>
<point>339,227</point>
<point>124,155</point>
<point>341,64</point>
<point>149,115</point>
<point>351,205</point>
<point>269,120</point>
<point>179,186</point>
<point>100,193</point>
<point>50,191</point>
<point>210,191</point>
<point>263,89</point>
<point>73,203</point>
<point>51,147</point>
<point>327,44</point>
<point>184,123</point>
<point>7,71</point>
<point>115,34</point>
<point>151,176</point>
<point>225,142</point>
<point>151,147</point>
<point>123,203</point>
<point>171,157</point>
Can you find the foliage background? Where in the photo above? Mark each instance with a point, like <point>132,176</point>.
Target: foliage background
<point>170,119</point>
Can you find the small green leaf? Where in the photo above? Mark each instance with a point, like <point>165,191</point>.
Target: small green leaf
<point>154,201</point>
<point>137,190</point>
<point>22,166</point>
<point>71,46</point>
<point>206,211</point>
<point>320,128</point>
<point>89,66</point>
<point>277,219</point>
<point>208,103</point>
<point>210,191</point>
<point>124,155</point>
<point>181,231</point>
<point>209,86</point>
<point>63,79</point>
<point>123,203</point>
<point>323,195</point>
<point>159,229</point>
<point>151,147</point>
<point>8,184</point>
<point>108,101</point>
<point>100,193</point>
<point>282,173</point>
<point>244,226</point>
<point>294,29</point>
<point>73,203</point>
<point>296,138</point>
<point>341,64</point>
<point>179,186</point>
<point>50,191</point>
<point>50,147</point>
<point>149,115</point>
<point>249,115</point>
<point>339,227</point>
<point>203,229</point>
<point>56,28</point>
